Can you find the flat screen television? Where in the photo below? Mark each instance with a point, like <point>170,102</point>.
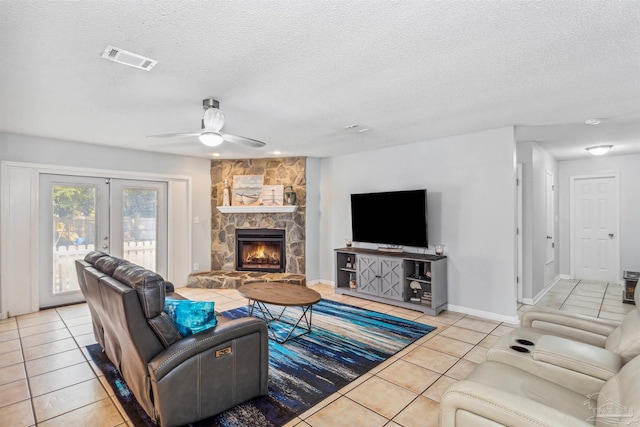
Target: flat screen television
<point>394,218</point>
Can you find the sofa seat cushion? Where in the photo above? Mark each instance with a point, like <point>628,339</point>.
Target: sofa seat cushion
<point>190,316</point>
<point>519,383</point>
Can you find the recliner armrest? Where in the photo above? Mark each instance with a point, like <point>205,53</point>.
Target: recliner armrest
<point>577,356</point>
<point>469,403</point>
<point>190,346</point>
<point>575,326</point>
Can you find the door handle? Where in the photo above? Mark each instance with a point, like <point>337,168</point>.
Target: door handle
<point>611,235</point>
<point>549,237</point>
<point>105,246</point>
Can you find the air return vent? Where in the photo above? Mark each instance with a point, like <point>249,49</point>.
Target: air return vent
<point>124,57</point>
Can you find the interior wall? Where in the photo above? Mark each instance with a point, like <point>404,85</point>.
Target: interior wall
<point>543,274</point>
<point>313,221</point>
<point>524,156</point>
<point>470,181</point>
<point>628,168</point>
<point>45,151</point>
<point>537,274</point>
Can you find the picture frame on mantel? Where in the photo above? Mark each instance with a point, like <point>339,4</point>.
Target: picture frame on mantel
<point>272,195</point>
<point>247,190</point>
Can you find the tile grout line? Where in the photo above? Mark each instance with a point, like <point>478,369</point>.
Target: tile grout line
<point>26,374</point>
<point>569,294</point>
<point>602,301</point>
<point>124,416</point>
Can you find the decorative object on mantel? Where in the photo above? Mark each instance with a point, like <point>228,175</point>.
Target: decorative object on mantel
<point>247,190</point>
<point>272,195</point>
<point>290,195</point>
<point>226,194</point>
<point>439,249</point>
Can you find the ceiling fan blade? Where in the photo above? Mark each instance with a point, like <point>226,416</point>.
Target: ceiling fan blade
<point>242,140</point>
<point>174,135</point>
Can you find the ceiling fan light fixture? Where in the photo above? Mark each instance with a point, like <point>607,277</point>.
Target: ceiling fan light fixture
<point>599,150</point>
<point>213,119</point>
<point>211,139</point>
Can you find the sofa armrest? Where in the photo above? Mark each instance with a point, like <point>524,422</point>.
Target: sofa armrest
<point>574,326</point>
<point>190,346</point>
<point>577,356</point>
<point>468,403</point>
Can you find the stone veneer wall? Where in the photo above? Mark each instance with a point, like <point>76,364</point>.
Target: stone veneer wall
<point>287,171</point>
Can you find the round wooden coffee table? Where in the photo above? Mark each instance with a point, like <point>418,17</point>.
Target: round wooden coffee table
<point>284,295</point>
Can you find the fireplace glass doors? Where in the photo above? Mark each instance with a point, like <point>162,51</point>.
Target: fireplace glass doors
<point>260,250</point>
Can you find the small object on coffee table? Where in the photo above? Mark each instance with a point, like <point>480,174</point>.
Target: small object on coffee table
<point>281,294</point>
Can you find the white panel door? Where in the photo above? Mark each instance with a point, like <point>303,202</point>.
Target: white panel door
<point>595,224</point>
<point>549,214</point>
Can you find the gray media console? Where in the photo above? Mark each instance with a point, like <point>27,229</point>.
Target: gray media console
<point>408,280</point>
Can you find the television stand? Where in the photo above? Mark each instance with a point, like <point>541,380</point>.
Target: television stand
<point>407,280</point>
<point>397,250</point>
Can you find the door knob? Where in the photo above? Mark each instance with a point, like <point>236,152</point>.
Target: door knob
<point>549,237</point>
<point>611,235</point>
<point>105,246</point>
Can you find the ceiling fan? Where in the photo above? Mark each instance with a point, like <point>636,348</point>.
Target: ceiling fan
<point>212,123</point>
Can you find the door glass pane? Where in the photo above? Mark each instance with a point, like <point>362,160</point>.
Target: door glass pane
<point>139,226</point>
<point>74,232</point>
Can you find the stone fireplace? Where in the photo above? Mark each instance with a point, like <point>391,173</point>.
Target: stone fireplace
<point>261,249</point>
<point>224,255</point>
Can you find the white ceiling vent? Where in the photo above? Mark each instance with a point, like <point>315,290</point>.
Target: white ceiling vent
<point>122,56</point>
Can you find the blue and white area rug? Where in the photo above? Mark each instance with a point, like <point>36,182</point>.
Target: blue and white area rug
<point>345,342</point>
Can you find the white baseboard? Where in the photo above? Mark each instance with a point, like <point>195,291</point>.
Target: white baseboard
<point>321,282</point>
<point>543,292</point>
<point>484,314</point>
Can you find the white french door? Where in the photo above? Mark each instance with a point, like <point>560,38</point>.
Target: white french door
<point>139,223</point>
<point>79,214</point>
<point>595,246</point>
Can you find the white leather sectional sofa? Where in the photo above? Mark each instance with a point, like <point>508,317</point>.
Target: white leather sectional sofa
<point>556,370</point>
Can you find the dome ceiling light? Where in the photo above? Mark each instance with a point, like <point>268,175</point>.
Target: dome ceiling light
<point>599,150</point>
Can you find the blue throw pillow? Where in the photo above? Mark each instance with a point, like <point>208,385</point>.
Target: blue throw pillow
<point>190,316</point>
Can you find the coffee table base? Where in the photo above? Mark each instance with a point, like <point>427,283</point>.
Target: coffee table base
<point>269,317</point>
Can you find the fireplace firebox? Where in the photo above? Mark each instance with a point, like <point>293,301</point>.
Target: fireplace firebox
<point>260,249</point>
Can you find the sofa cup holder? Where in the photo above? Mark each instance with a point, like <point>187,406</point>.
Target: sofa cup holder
<point>520,349</point>
<point>524,342</point>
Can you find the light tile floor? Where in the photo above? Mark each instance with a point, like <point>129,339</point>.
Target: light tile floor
<point>47,377</point>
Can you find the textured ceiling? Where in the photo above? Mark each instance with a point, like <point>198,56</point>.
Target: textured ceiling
<point>295,73</point>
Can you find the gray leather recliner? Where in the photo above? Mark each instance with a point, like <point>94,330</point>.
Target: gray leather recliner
<point>177,380</point>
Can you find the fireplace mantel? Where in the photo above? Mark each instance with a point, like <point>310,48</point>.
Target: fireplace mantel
<point>257,209</point>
